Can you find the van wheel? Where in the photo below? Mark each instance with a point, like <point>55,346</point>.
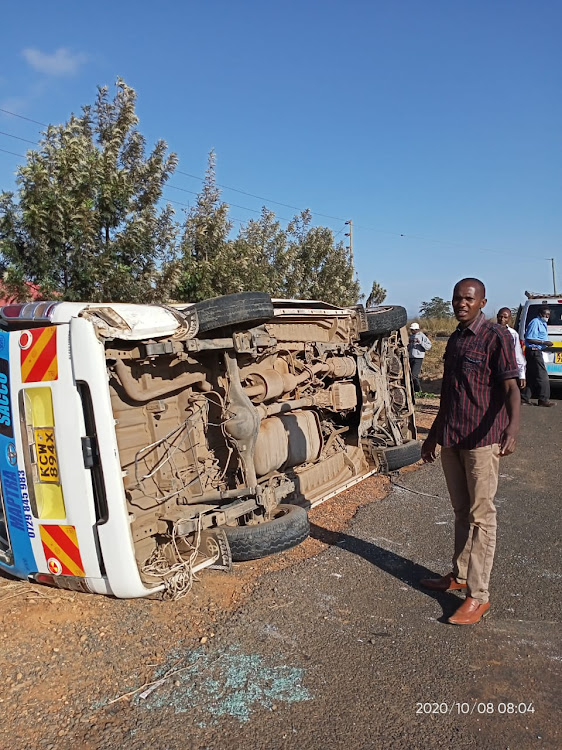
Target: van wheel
<point>402,455</point>
<point>288,528</point>
<point>383,320</point>
<point>234,309</point>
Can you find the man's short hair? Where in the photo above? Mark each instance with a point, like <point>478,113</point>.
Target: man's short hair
<point>504,309</point>
<point>479,285</point>
<point>544,309</point>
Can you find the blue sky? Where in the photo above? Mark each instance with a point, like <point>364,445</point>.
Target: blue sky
<point>434,124</point>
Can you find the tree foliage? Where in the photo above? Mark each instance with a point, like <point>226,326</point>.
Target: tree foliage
<point>437,307</point>
<point>203,246</point>
<point>86,222</point>
<point>317,267</point>
<point>377,295</point>
<point>300,261</point>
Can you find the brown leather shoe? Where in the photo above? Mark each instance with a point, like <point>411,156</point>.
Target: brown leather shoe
<point>470,612</point>
<point>445,583</point>
<point>546,403</point>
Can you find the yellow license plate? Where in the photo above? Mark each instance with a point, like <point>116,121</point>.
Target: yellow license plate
<point>47,462</point>
<point>558,358</point>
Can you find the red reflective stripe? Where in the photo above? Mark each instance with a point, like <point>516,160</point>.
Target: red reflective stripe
<point>44,351</point>
<point>60,537</point>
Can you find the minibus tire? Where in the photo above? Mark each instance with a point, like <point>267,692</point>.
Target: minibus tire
<point>386,319</point>
<point>402,455</point>
<point>289,528</point>
<point>234,309</point>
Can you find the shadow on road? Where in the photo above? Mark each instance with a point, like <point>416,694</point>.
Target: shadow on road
<point>400,567</point>
<point>556,390</point>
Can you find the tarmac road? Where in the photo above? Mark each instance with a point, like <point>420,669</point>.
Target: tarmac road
<point>345,651</point>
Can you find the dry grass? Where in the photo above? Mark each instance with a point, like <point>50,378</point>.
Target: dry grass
<point>438,330</point>
<point>436,326</point>
<point>432,368</point>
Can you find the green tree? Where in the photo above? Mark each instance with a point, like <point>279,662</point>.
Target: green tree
<point>86,223</point>
<point>437,307</point>
<point>301,261</point>
<point>204,243</point>
<point>317,267</point>
<point>377,295</point>
<point>259,255</point>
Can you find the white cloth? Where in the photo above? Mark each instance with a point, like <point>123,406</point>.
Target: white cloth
<point>418,345</point>
<point>519,357</point>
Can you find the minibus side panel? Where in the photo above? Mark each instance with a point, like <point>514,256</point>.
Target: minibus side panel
<point>19,520</point>
<point>114,534</point>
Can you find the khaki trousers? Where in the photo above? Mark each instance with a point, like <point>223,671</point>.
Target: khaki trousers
<point>472,481</point>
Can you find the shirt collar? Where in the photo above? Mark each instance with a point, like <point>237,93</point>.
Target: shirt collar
<point>475,326</point>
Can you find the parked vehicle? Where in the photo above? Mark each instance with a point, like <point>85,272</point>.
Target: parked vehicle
<point>140,444</point>
<point>529,310</point>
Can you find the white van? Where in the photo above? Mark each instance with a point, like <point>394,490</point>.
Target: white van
<point>142,443</point>
<point>529,310</point>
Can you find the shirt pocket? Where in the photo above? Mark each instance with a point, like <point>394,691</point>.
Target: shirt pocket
<point>473,361</point>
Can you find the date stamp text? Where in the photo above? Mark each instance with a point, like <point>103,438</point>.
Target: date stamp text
<point>468,708</point>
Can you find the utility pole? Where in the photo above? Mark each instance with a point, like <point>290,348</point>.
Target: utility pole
<point>553,275</point>
<point>350,235</point>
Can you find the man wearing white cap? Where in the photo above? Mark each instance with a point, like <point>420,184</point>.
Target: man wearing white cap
<point>418,345</point>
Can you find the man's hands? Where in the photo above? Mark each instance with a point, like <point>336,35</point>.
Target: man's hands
<point>513,405</point>
<point>522,382</point>
<point>428,450</point>
<point>508,441</point>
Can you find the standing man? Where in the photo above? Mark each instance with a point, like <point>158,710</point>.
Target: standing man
<point>477,422</point>
<point>536,339</point>
<point>418,345</point>
<point>504,319</point>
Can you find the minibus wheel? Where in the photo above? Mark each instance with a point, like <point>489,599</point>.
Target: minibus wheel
<point>249,308</point>
<point>383,320</point>
<point>288,527</point>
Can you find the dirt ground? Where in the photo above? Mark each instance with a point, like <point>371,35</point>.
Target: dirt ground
<point>64,653</point>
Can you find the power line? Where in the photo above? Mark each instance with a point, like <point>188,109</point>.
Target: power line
<point>253,210</point>
<point>224,187</point>
<point>21,117</point>
<point>17,137</point>
<point>337,218</point>
<point>186,205</point>
<point>175,187</point>
<point>242,222</point>
<point>13,153</point>
<point>196,177</point>
<point>260,197</point>
<point>234,205</point>
<point>279,203</point>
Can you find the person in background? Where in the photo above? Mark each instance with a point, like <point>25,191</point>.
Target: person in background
<point>504,319</point>
<point>477,423</point>
<point>536,339</point>
<point>418,345</point>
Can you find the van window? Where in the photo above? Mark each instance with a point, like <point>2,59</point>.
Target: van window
<point>555,314</point>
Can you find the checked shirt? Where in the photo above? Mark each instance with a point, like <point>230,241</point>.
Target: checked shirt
<point>477,360</point>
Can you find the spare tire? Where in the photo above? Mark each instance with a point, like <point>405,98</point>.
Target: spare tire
<point>402,455</point>
<point>288,528</point>
<point>382,320</point>
<point>234,309</point>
